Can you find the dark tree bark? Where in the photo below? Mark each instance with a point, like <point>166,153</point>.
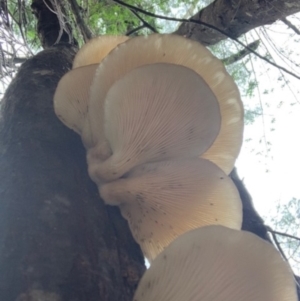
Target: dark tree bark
<point>236,17</point>
<point>252,222</point>
<point>58,240</point>
<point>52,28</point>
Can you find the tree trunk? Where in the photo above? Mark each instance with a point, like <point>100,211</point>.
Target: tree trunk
<point>236,17</point>
<point>58,240</point>
<point>52,28</point>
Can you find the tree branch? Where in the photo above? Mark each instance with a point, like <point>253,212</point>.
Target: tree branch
<point>4,13</point>
<point>282,234</point>
<point>277,243</point>
<point>252,222</point>
<point>13,58</point>
<point>84,29</point>
<point>144,22</point>
<point>134,30</point>
<point>214,28</point>
<point>236,17</point>
<point>290,25</point>
<point>241,54</point>
<point>51,27</point>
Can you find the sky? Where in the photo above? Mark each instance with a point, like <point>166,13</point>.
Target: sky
<point>269,160</point>
<point>273,174</point>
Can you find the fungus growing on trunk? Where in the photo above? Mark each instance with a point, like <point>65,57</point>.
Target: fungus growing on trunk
<point>163,200</point>
<point>71,100</point>
<point>153,113</point>
<point>73,91</point>
<point>177,50</point>
<point>219,264</point>
<point>146,115</point>
<point>96,49</point>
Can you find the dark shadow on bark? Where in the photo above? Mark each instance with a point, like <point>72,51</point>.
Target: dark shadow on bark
<point>252,222</point>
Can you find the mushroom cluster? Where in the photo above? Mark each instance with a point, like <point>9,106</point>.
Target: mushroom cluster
<point>162,123</point>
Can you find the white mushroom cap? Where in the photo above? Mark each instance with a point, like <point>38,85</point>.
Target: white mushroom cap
<point>73,91</point>
<point>71,99</point>
<point>215,263</point>
<point>163,200</point>
<point>96,49</point>
<point>156,112</point>
<point>176,50</point>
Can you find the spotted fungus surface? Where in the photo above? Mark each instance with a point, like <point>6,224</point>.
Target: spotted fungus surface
<point>162,123</point>
<point>163,200</point>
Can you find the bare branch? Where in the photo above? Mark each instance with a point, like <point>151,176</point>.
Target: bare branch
<point>51,27</point>
<point>84,29</point>
<point>291,25</point>
<point>277,243</point>
<point>4,13</point>
<point>282,233</point>
<point>237,17</point>
<point>130,32</point>
<point>241,54</point>
<point>144,22</point>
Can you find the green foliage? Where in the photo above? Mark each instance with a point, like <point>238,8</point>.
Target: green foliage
<point>102,17</point>
<point>23,23</point>
<point>287,220</point>
<point>107,17</point>
<point>251,114</point>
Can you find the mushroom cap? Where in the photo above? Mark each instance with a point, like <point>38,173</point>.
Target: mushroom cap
<point>71,99</point>
<point>96,49</point>
<point>219,264</point>
<point>163,200</point>
<point>156,112</point>
<point>174,49</point>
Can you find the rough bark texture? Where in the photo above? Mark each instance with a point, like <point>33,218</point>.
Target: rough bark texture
<point>236,17</point>
<point>58,242</point>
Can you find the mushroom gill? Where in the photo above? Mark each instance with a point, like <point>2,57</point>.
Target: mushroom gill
<point>155,112</point>
<point>163,200</point>
<point>177,50</point>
